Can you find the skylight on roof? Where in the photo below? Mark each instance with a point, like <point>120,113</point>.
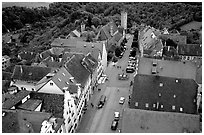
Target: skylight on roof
<point>162,106</point>
<point>181,109</point>
<point>146,105</point>
<point>154,105</point>
<point>161,84</point>
<point>136,104</point>
<point>59,79</point>
<point>173,107</point>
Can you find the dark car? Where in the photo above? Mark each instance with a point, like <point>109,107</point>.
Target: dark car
<point>114,125</point>
<point>102,101</point>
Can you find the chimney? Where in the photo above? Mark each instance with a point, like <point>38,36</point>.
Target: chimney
<point>82,27</point>
<point>157,105</point>
<point>60,59</point>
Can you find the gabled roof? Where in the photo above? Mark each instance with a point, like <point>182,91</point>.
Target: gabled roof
<point>149,40</point>
<point>8,104</point>
<point>20,121</point>
<point>51,103</point>
<point>163,94</point>
<point>30,73</point>
<point>168,68</point>
<point>190,49</point>
<point>76,69</point>
<point>30,104</point>
<point>104,33</point>
<point>24,55</point>
<point>144,121</point>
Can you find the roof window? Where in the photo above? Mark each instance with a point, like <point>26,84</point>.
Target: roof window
<point>162,106</point>
<point>146,105</point>
<point>59,79</point>
<point>181,109</point>
<point>161,84</point>
<point>136,104</point>
<point>173,107</point>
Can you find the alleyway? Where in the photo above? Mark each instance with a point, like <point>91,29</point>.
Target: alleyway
<point>99,120</point>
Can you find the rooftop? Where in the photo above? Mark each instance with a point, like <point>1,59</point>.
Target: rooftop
<point>27,55</point>
<point>51,103</point>
<point>77,70</point>
<point>179,39</point>
<point>6,75</point>
<point>142,121</point>
<point>176,69</point>
<point>159,93</point>
<point>13,101</point>
<point>20,121</point>
<point>190,49</point>
<point>30,73</point>
<point>30,104</point>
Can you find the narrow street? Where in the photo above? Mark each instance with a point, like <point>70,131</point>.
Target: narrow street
<point>99,120</point>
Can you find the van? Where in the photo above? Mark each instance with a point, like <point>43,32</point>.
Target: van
<point>102,101</point>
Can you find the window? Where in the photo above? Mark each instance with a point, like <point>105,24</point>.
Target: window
<point>59,79</point>
<point>63,74</point>
<point>181,109</point>
<point>154,105</point>
<point>51,84</point>
<point>146,105</point>
<point>162,106</point>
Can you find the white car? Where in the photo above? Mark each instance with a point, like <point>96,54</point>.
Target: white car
<point>116,116</point>
<point>122,100</point>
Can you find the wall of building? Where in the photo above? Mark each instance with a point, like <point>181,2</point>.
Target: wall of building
<point>51,87</point>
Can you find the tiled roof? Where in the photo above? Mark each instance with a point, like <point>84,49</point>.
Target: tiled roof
<point>30,73</point>
<point>90,63</point>
<point>143,121</point>
<point>199,75</point>
<point>13,101</point>
<point>6,75</point>
<point>104,33</point>
<point>179,39</point>
<point>5,85</point>
<point>72,43</point>
<point>190,49</point>
<point>27,55</point>
<point>77,70</point>
<point>20,121</point>
<point>51,103</point>
<point>158,91</point>
<point>76,33</point>
<point>72,88</point>
<point>43,55</point>
<point>30,104</point>
<point>176,69</point>
<point>169,51</point>
<point>62,78</point>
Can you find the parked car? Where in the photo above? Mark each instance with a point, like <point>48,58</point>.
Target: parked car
<point>116,116</point>
<point>122,100</point>
<point>102,101</point>
<point>123,77</point>
<point>130,69</point>
<point>114,125</point>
